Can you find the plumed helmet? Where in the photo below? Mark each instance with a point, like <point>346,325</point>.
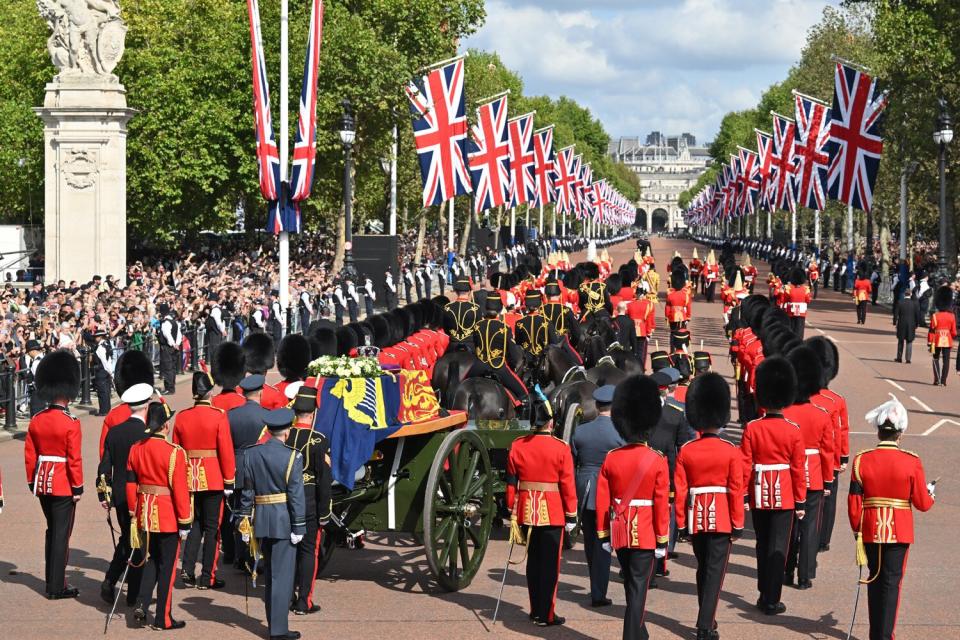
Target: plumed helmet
<point>943,298</point>
<point>133,367</point>
<point>202,384</point>
<point>58,376</point>
<point>776,383</point>
<point>293,356</point>
<point>829,357</point>
<point>259,348</point>
<point>798,276</point>
<point>323,342</point>
<point>708,402</point>
<point>636,407</point>
<point>809,371</point>
<point>346,340</point>
<point>229,364</point>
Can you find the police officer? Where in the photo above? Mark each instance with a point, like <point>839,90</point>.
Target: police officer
<point>272,510</point>
<point>204,432</point>
<point>54,465</point>
<point>565,325</point>
<point>159,502</point>
<point>390,290</point>
<point>353,301</point>
<point>170,341</point>
<point>886,482</point>
<point>533,332</point>
<point>369,296</point>
<point>339,303</point>
<point>102,365</point>
<point>542,499</point>
<point>31,360</point>
<point>112,487</point>
<point>460,317</point>
<point>315,450</point>
<point>591,443</point>
<point>709,494</point>
<point>495,351</point>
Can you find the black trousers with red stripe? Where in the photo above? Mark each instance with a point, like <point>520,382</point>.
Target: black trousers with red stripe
<point>712,551</point>
<point>637,565</point>
<point>543,571</point>
<point>208,510</point>
<point>160,570</point>
<point>118,564</point>
<point>772,527</point>
<point>805,540</point>
<point>883,593</point>
<point>828,513</point>
<point>59,512</point>
<point>308,552</point>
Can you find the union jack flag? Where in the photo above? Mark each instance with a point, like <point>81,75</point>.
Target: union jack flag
<point>440,132</point>
<point>563,184</point>
<point>576,201</point>
<point>544,170</point>
<point>586,190</point>
<point>784,164</point>
<point>489,151</point>
<point>729,190</point>
<point>522,185</point>
<point>813,132</point>
<point>268,158</point>
<point>750,175</point>
<point>599,201</point>
<point>765,168</point>
<point>736,181</point>
<point>855,144</point>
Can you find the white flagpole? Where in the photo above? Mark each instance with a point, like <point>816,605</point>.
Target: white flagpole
<point>513,225</point>
<point>540,226</point>
<point>450,226</point>
<point>393,184</point>
<point>816,229</point>
<point>793,228</point>
<point>850,246</point>
<point>284,153</point>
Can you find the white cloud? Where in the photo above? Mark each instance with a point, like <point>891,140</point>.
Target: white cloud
<point>652,64</point>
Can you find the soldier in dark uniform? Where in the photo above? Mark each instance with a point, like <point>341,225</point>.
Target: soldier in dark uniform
<point>565,325</point>
<point>315,449</point>
<point>101,363</point>
<point>907,317</point>
<point>54,465</point>
<point>886,482</point>
<point>542,498</point>
<point>594,297</point>
<point>272,510</point>
<point>591,443</point>
<point>533,332</point>
<point>112,488</point>
<point>460,317</point>
<point>170,340</point>
<point>495,349</point>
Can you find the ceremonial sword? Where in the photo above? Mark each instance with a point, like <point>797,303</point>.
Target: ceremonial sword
<point>116,599</point>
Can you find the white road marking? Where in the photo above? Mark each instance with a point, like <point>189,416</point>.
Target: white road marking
<point>922,404</point>
<point>896,386</point>
<point>940,424</point>
<point>822,332</point>
<point>832,339</point>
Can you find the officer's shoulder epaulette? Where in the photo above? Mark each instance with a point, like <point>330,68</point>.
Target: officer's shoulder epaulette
<point>729,442</point>
<point>789,421</point>
<point>820,408</point>
<point>659,453</point>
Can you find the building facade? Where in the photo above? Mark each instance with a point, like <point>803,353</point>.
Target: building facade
<point>667,166</point>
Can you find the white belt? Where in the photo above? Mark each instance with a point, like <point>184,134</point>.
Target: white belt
<point>40,461</point>
<point>797,307</point>
<point>760,468</point>
<point>51,459</point>
<point>811,452</point>
<point>696,491</point>
<point>637,503</point>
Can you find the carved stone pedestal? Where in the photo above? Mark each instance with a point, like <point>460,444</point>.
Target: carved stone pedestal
<point>85,140</point>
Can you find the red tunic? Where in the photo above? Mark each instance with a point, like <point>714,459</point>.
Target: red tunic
<point>157,489</point>
<point>627,293</point>
<point>546,461</point>
<point>774,463</point>
<point>886,481</point>
<point>796,299</point>
<point>52,454</point>
<point>272,398</point>
<point>118,414</point>
<point>228,399</point>
<point>709,486</point>
<point>712,273</point>
<point>676,307</point>
<point>204,433</point>
<point>749,274</point>
<point>644,319</point>
<point>818,441</point>
<point>943,330</point>
<point>862,290</point>
<point>648,513</point>
<point>695,267</point>
<point>841,448</point>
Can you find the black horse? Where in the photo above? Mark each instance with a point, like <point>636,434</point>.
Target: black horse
<point>555,367</point>
<point>482,398</point>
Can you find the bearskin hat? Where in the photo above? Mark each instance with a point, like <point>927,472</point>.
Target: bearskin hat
<point>591,270</point>
<point>943,298</point>
<point>229,364</point>
<point>678,279</point>
<point>773,316</point>
<point>708,402</point>
<point>404,324</point>
<point>202,384</point>
<point>293,356</point>
<point>357,332</point>
<point>829,357</point>
<point>751,307</point>
<point>416,312</point>
<point>495,279</point>
<point>628,273</point>
<point>776,383</point>
<point>58,376</point>
<point>381,331</point>
<point>323,342</point>
<point>365,332</point>
<point>572,279</point>
<point>798,276</point>
<point>439,304</point>
<point>133,367</point>
<point>521,271</point>
<point>636,407</point>
<point>346,341</point>
<point>259,348</point>
<point>806,364</point>
<point>614,283</point>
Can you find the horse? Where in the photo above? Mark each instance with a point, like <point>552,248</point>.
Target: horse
<point>555,367</point>
<point>574,392</point>
<point>605,372</point>
<point>482,398</point>
<point>625,361</point>
<point>441,371</point>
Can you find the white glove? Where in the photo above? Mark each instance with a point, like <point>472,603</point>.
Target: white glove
<point>184,533</point>
<point>607,547</point>
<point>660,552</point>
<point>570,526</point>
<point>227,493</point>
<point>245,537</point>
<point>295,538</point>
<point>932,489</point>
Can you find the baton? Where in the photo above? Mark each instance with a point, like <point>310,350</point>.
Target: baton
<point>116,599</point>
<point>503,581</point>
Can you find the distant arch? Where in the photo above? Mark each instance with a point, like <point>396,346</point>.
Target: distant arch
<point>661,220</point>
<point>641,220</point>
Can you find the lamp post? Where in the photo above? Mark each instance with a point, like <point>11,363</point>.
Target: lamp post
<point>348,133</point>
<point>942,136</point>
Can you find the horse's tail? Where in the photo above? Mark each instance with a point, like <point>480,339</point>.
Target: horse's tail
<point>453,382</point>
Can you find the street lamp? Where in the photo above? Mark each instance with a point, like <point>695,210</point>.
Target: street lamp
<point>348,133</point>
<point>942,136</point>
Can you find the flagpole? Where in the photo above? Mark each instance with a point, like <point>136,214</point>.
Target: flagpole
<point>393,183</point>
<point>450,225</point>
<point>816,230</point>
<point>284,153</point>
<point>850,246</point>
<point>540,226</point>
<point>793,228</point>
<point>513,225</point>
<point>527,223</point>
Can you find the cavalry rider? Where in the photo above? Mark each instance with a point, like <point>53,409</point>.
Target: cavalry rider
<point>795,297</point>
<point>696,266</point>
<point>533,332</point>
<point>678,307</point>
<point>813,275</point>
<point>495,350</point>
<point>749,273</point>
<point>711,275</point>
<point>460,317</point>
<point>565,325</point>
<point>594,296</point>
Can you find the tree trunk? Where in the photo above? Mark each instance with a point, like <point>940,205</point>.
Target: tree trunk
<point>465,238</point>
<point>496,232</point>
<point>421,232</point>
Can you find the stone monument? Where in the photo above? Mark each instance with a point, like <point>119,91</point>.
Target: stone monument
<point>85,119</point>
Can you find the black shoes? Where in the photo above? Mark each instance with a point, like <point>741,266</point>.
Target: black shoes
<point>898,359</point>
<point>189,581</point>
<point>66,593</point>
<point>297,611</point>
<point>216,584</point>
<point>174,624</point>
<point>788,579</point>
<point>290,635</point>
<point>556,622</point>
<point>771,609</point>
<point>139,611</point>
<point>803,585</point>
<point>663,573</point>
<point>824,547</point>
<point>603,602</point>
<point>106,592</point>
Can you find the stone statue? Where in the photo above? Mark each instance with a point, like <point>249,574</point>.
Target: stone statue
<point>86,36</point>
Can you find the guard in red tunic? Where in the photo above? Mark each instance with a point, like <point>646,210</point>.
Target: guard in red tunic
<point>542,499</point>
<point>817,430</point>
<point>54,466</point>
<point>711,276</point>
<point>133,367</point>
<point>886,482</point>
<point>204,433</point>
<point>709,493</point>
<point>943,331</point>
<point>260,356</point>
<point>229,364</point>
<point>677,307</point>
<point>643,313</point>
<point>813,276</point>
<point>862,288</point>
<point>158,497</point>
<point>633,497</point>
<point>749,274</point>
<point>696,266</point>
<point>774,472</point>
<point>796,297</point>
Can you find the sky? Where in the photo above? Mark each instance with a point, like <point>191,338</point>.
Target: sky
<point>642,65</point>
